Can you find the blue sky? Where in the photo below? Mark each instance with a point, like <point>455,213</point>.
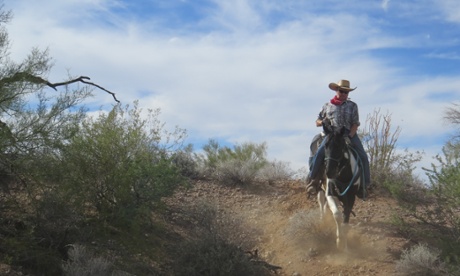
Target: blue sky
<point>257,70</point>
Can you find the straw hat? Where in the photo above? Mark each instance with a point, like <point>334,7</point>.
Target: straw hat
<point>342,85</point>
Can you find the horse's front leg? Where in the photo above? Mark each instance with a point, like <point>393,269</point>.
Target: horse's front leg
<point>342,240</point>
<point>322,204</point>
<point>348,206</point>
<point>342,228</point>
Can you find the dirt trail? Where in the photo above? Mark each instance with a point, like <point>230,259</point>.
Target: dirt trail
<point>290,235</point>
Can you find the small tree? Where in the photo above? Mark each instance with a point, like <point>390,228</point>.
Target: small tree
<point>436,209</point>
<point>445,187</point>
<point>120,165</point>
<point>36,121</point>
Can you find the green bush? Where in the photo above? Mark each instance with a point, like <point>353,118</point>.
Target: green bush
<point>399,180</point>
<point>434,207</point>
<point>185,161</point>
<point>119,166</point>
<point>445,189</point>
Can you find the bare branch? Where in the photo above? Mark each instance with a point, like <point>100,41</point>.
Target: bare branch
<point>452,114</point>
<point>82,79</point>
<point>24,76</point>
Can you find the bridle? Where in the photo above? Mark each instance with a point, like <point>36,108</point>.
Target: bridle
<point>337,160</point>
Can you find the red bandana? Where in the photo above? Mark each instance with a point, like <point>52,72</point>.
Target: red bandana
<point>336,101</point>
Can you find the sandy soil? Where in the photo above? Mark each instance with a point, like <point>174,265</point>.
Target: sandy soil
<point>289,234</point>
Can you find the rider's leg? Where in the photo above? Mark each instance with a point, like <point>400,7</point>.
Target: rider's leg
<point>314,145</point>
<point>317,161</point>
<point>313,181</point>
<point>358,146</point>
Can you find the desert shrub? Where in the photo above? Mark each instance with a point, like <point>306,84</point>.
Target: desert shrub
<point>55,222</point>
<point>435,208</point>
<point>186,161</point>
<point>235,166</point>
<point>218,244</point>
<point>82,262</point>
<point>445,189</point>
<point>213,256</point>
<point>35,123</point>
<point>275,171</point>
<point>236,172</point>
<point>209,220</point>
<point>420,260</point>
<point>119,165</point>
<point>399,180</point>
<point>23,250</point>
<point>444,177</point>
<point>390,169</point>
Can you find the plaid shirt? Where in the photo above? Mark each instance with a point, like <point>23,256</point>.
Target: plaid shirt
<point>344,115</point>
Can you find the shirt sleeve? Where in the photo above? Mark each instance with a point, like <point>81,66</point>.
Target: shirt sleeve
<point>355,119</point>
<point>322,113</point>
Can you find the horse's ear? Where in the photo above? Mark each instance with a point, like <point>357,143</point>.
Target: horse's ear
<point>327,126</point>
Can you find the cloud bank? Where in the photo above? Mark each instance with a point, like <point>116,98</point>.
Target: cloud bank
<point>258,71</point>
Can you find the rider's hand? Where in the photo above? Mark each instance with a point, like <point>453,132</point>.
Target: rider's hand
<point>347,140</point>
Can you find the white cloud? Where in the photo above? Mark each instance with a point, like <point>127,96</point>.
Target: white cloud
<point>385,4</point>
<point>451,8</point>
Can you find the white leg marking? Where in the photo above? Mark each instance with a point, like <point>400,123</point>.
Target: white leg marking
<point>342,230</point>
<point>322,204</point>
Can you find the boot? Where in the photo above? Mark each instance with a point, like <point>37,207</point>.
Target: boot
<point>312,186</point>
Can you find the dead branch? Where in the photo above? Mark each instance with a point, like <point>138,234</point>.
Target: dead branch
<point>24,76</point>
<point>82,79</point>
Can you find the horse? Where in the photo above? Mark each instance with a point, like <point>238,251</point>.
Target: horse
<point>342,177</point>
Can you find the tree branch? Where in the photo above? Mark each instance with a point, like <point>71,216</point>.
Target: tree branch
<point>27,77</point>
<point>82,79</point>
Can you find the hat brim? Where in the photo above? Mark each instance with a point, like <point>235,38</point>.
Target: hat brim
<point>335,87</point>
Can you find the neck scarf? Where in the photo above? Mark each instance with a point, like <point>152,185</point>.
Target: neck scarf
<point>336,101</point>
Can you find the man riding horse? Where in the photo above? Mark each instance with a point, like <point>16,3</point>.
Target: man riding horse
<point>340,112</point>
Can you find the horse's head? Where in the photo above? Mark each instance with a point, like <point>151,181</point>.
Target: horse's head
<point>335,150</point>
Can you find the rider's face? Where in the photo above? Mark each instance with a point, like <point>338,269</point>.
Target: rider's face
<point>342,95</point>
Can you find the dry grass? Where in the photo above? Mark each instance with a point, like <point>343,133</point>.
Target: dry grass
<point>420,260</point>
<point>83,262</point>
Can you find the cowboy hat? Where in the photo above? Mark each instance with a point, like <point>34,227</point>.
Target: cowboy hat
<point>342,85</point>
